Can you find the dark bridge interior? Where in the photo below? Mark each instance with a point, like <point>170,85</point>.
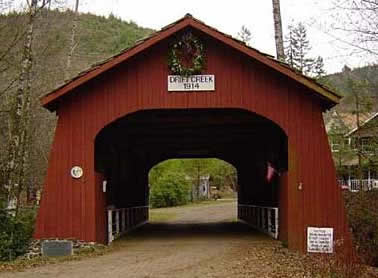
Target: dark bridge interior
<point>128,148</point>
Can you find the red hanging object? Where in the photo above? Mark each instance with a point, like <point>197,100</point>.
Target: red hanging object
<point>270,172</point>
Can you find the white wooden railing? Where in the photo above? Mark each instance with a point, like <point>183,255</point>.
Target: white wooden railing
<point>123,220</point>
<point>264,219</point>
<point>355,185</point>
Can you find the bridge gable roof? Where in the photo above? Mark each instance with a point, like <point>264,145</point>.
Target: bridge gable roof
<point>50,100</point>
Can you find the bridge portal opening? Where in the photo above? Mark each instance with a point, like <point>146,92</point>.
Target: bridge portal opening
<point>175,182</point>
<point>128,148</point>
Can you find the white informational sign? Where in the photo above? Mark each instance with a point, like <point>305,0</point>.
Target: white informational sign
<point>177,83</point>
<point>76,172</point>
<point>319,240</point>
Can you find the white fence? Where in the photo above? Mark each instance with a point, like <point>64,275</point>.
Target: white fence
<point>264,219</point>
<point>356,185</point>
<point>121,221</point>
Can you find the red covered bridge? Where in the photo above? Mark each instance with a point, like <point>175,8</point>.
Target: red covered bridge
<point>118,120</point>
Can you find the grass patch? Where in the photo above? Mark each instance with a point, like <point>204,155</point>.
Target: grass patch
<point>169,213</point>
<point>161,215</point>
<point>209,203</point>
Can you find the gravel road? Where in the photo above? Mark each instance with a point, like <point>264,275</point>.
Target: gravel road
<point>198,241</point>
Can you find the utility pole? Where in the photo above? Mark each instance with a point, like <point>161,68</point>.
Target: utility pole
<point>278,30</point>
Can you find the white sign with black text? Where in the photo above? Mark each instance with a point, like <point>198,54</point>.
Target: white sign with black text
<point>177,83</point>
<point>319,240</point>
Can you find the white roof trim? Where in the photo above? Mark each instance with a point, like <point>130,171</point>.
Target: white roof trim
<point>355,129</point>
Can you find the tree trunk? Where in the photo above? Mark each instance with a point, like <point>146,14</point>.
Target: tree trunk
<point>358,142</point>
<point>20,116</point>
<point>278,30</point>
<point>73,43</point>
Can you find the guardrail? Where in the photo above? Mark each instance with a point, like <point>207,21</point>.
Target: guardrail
<point>356,185</point>
<point>123,220</point>
<point>264,219</point>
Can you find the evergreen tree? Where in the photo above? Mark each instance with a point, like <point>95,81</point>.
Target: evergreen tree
<point>297,52</point>
<point>318,68</point>
<point>297,48</point>
<point>245,34</point>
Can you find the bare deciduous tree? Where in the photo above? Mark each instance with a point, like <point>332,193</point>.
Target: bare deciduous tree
<point>13,172</point>
<point>358,19</point>
<point>5,5</point>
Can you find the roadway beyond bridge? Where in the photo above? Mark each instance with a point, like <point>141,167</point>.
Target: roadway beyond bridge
<point>199,241</point>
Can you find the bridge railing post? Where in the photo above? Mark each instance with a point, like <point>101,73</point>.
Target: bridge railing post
<point>123,217</point>
<point>123,220</point>
<point>110,226</point>
<point>276,223</point>
<point>264,219</point>
<point>117,231</point>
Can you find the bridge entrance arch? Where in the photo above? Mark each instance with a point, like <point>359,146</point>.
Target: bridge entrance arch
<point>126,149</point>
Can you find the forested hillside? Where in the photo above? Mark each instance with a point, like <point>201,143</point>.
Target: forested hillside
<point>96,39</point>
<point>365,77</point>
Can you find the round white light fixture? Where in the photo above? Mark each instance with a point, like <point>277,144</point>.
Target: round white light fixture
<point>76,172</point>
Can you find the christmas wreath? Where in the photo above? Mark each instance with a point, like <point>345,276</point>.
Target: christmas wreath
<point>186,56</point>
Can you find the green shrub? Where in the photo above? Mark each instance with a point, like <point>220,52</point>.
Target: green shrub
<point>169,190</point>
<point>362,209</point>
<point>15,234</point>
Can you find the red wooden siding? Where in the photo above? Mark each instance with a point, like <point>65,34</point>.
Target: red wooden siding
<point>75,208</point>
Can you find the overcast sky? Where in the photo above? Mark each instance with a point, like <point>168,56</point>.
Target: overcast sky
<point>229,16</point>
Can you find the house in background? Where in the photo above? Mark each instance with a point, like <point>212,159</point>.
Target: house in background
<point>351,146</point>
<point>200,187</point>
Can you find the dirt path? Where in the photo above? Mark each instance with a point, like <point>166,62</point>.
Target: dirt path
<point>199,241</point>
